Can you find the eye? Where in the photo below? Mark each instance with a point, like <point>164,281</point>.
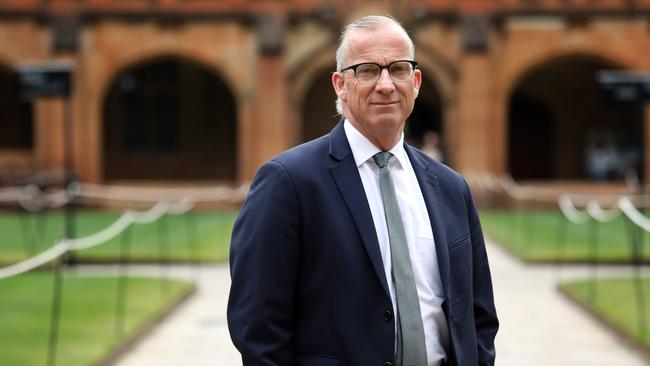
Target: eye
<point>367,71</point>
<point>400,69</point>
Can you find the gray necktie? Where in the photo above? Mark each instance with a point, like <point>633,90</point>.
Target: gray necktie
<point>411,350</point>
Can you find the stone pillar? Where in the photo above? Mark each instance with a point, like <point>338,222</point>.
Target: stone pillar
<point>474,152</point>
<point>49,134</point>
<point>270,120</point>
<point>474,146</point>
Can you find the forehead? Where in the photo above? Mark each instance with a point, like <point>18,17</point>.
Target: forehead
<point>381,45</point>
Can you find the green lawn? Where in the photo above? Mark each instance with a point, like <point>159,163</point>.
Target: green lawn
<point>87,331</point>
<point>537,236</point>
<point>615,301</point>
<point>24,234</point>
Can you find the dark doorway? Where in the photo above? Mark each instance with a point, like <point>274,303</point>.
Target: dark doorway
<point>319,114</point>
<point>532,136</point>
<point>559,125</point>
<point>170,119</point>
<point>16,115</point>
<point>424,127</point>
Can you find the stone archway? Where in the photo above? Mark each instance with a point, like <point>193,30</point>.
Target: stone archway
<point>319,114</point>
<point>169,118</point>
<point>425,127</point>
<point>556,118</point>
<point>16,115</point>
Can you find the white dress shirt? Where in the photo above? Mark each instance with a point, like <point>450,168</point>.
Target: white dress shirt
<point>419,235</point>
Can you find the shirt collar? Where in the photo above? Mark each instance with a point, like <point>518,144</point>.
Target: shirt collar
<point>363,150</point>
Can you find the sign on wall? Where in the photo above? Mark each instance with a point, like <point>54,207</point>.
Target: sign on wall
<point>625,86</point>
<point>45,79</point>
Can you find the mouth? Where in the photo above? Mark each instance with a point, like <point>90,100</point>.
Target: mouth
<point>384,104</point>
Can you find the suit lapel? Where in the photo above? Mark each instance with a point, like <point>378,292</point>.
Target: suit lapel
<point>430,188</point>
<point>346,176</point>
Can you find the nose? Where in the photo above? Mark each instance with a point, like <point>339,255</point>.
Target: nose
<point>385,83</point>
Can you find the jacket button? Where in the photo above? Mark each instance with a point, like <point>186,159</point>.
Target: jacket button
<point>388,315</point>
<point>388,364</point>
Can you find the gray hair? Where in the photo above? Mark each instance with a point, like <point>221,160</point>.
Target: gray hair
<point>370,22</point>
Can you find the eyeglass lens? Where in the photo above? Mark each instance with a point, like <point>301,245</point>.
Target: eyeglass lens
<point>399,71</point>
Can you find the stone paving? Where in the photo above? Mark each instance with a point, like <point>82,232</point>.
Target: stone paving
<point>538,325</point>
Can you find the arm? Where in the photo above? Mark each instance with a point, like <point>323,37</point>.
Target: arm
<point>264,258</point>
<point>485,316</point>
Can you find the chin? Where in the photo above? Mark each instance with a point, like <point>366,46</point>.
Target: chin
<point>388,121</point>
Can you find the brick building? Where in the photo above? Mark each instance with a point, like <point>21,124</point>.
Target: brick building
<point>209,89</point>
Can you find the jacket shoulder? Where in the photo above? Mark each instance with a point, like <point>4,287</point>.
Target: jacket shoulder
<point>307,153</point>
<point>440,170</point>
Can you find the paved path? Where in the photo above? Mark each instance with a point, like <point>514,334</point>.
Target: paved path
<point>539,326</point>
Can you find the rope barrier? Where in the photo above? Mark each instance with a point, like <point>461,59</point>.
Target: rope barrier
<point>509,186</point>
<point>13,194</point>
<point>32,199</point>
<point>601,215</point>
<point>567,202</point>
<point>118,226</point>
<point>38,200</point>
<point>570,211</point>
<point>633,214</point>
<point>34,262</point>
<point>141,194</point>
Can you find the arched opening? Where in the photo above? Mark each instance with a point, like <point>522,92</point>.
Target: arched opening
<point>424,127</point>
<point>16,115</point>
<point>169,119</point>
<point>561,128</point>
<point>319,114</point>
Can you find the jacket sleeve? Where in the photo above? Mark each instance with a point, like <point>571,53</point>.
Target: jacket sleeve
<point>263,266</point>
<point>485,316</point>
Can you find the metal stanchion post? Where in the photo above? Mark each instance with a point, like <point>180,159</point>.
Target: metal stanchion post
<point>123,282</point>
<point>530,230</point>
<point>25,220</point>
<point>561,239</point>
<point>519,223</point>
<point>163,253</point>
<point>635,236</point>
<point>70,179</point>
<point>192,241</point>
<point>55,314</point>
<point>593,259</point>
<point>41,226</point>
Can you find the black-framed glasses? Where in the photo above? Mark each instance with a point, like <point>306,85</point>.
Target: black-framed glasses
<point>369,72</point>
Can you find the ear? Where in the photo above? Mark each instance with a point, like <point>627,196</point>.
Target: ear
<point>339,86</point>
<point>417,80</point>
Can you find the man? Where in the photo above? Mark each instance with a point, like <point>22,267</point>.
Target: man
<point>356,249</point>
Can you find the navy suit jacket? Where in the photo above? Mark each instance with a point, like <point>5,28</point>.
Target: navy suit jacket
<point>308,283</point>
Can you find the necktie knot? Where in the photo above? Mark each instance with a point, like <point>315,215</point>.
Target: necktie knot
<point>382,158</point>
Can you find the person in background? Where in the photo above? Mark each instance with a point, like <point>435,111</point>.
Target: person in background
<point>431,145</point>
<point>602,161</point>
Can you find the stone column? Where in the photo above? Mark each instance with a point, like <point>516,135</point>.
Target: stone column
<point>270,120</point>
<point>49,133</point>
<point>474,147</point>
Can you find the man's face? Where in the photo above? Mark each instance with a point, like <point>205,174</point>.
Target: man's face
<point>380,109</point>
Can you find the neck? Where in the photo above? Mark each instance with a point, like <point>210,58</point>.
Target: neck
<point>383,139</point>
<point>385,143</point>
